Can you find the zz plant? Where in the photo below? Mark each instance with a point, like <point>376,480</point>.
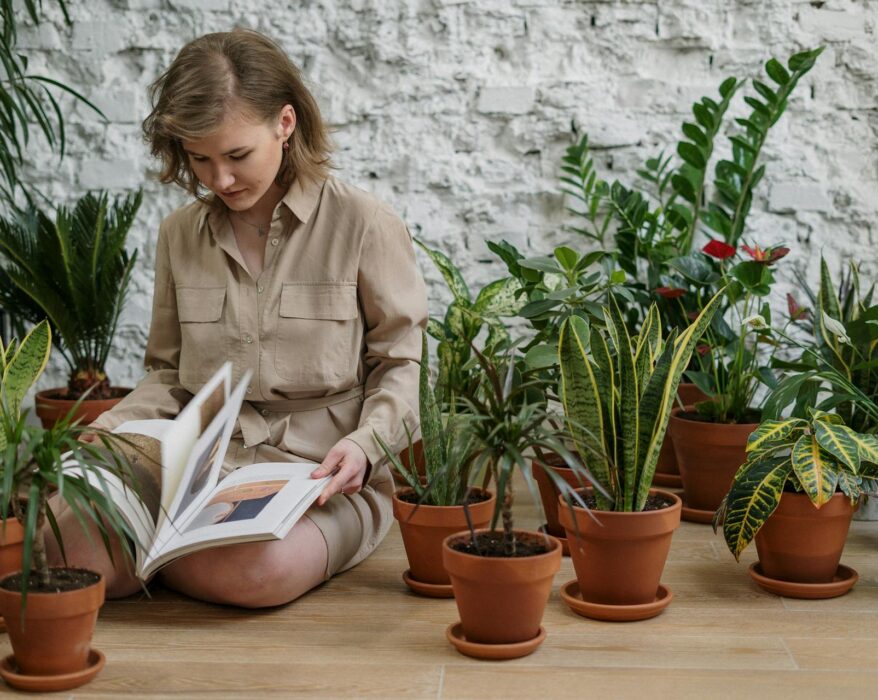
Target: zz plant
<point>818,456</point>
<point>618,390</point>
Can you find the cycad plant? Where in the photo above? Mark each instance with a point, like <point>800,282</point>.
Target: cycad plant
<point>618,390</point>
<point>818,456</point>
<point>73,270</point>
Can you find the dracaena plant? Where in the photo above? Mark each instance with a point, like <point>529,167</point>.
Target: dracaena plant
<point>509,418</point>
<point>818,456</point>
<point>737,350</point>
<point>618,390</point>
<point>37,461</point>
<point>838,369</point>
<point>447,443</point>
<point>464,319</point>
<point>647,227</point>
<point>74,270</point>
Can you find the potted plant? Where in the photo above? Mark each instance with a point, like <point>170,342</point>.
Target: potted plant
<point>50,613</point>
<point>440,502</point>
<point>795,495</point>
<point>618,390</point>
<point>502,577</point>
<point>73,270</point>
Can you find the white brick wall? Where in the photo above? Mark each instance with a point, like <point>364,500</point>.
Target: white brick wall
<point>457,111</point>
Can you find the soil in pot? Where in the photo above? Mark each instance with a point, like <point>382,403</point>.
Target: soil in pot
<point>501,599</point>
<point>59,621</point>
<point>708,455</point>
<point>667,473</point>
<point>801,543</point>
<point>423,529</point>
<point>52,405</point>
<point>619,560</point>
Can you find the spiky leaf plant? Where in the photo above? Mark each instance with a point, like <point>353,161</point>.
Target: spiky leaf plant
<point>73,270</point>
<point>618,391</point>
<point>817,456</point>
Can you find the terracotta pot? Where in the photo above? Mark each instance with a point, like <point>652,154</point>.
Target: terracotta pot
<point>56,636</point>
<point>549,492</point>
<point>424,528</point>
<point>708,455</point>
<point>11,546</point>
<point>501,600</point>
<point>667,473</point>
<point>420,462</point>
<point>801,543</point>
<point>50,410</point>
<point>620,561</point>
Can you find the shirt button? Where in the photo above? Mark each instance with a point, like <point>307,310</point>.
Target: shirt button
<point>249,389</point>
<point>264,411</point>
<point>274,241</point>
<point>247,338</point>
<point>260,289</point>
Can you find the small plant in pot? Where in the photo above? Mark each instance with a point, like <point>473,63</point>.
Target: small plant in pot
<point>440,501</point>
<point>618,390</point>
<point>502,577</point>
<point>50,613</point>
<point>73,270</point>
<point>795,496</point>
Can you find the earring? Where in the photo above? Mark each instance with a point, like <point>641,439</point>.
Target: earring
<point>286,146</point>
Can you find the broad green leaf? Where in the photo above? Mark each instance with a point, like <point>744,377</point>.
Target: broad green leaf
<point>777,72</point>
<point>753,497</point>
<point>500,298</point>
<point>26,366</point>
<point>629,409</point>
<point>453,277</point>
<point>815,472</point>
<point>567,257</point>
<point>839,441</point>
<point>773,431</point>
<point>849,485</point>
<point>435,329</point>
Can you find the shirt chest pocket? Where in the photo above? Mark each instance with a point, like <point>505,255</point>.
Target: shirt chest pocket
<point>202,339</point>
<point>318,334</point>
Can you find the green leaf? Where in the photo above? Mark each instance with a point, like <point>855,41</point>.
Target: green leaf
<point>567,257</point>
<point>25,367</point>
<point>767,93</point>
<point>541,356</point>
<point>771,431</point>
<point>541,264</point>
<point>453,277</point>
<point>755,494</point>
<point>815,472</point>
<point>777,72</point>
<point>500,298</point>
<point>691,154</point>
<point>838,440</point>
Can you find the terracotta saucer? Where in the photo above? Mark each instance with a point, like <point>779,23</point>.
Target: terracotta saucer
<point>844,579</point>
<point>454,633</point>
<point>695,515</point>
<point>429,590</point>
<point>673,481</point>
<point>565,550</point>
<point>615,613</point>
<point>47,684</point>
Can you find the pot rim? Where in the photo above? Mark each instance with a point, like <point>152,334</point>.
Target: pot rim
<point>689,408</point>
<point>554,541</point>
<point>675,501</point>
<point>429,508</point>
<point>44,594</point>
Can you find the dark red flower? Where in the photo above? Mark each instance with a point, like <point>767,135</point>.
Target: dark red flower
<point>692,315</point>
<point>703,349</point>
<point>796,312</point>
<point>767,255</point>
<point>670,292</point>
<point>719,250</point>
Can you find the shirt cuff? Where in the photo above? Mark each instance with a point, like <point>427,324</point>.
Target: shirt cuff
<point>365,440</point>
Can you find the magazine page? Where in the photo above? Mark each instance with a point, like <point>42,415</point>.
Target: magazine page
<point>257,502</point>
<point>142,444</point>
<point>202,469</point>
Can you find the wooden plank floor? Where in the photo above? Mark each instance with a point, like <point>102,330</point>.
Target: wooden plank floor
<point>364,635</point>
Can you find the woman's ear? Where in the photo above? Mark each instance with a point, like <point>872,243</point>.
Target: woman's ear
<point>287,122</point>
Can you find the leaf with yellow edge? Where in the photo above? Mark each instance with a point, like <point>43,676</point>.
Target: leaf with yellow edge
<point>26,366</point>
<point>840,441</point>
<point>814,469</point>
<point>770,431</point>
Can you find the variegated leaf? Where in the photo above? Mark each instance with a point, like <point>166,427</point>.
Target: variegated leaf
<point>826,417</point>
<point>500,298</point>
<point>629,410</point>
<point>849,485</point>
<point>26,366</point>
<point>840,442</point>
<point>450,272</point>
<point>753,497</point>
<point>770,431</point>
<point>814,469</point>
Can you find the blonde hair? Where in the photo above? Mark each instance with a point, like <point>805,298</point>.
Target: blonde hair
<point>211,76</point>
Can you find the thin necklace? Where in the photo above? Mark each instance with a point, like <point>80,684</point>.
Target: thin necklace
<point>261,230</point>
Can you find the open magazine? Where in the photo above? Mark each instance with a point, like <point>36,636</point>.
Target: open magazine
<point>182,506</point>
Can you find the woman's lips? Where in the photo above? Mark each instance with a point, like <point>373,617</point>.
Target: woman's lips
<point>231,195</point>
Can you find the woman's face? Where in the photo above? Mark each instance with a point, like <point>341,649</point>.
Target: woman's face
<point>240,160</point>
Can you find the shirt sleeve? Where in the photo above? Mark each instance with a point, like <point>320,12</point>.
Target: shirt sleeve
<point>159,394</point>
<point>393,298</point>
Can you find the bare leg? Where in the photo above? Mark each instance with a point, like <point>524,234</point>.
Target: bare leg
<point>87,551</point>
<point>253,574</point>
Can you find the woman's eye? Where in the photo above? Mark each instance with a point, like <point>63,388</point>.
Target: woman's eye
<point>198,159</point>
<point>241,157</point>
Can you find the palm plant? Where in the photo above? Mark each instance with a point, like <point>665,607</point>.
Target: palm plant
<point>618,391</point>
<point>75,271</point>
<point>38,461</point>
<point>817,456</point>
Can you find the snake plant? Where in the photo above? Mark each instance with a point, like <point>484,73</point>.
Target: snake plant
<point>818,456</point>
<point>618,391</point>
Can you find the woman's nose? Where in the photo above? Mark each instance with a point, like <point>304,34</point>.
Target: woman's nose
<point>223,178</point>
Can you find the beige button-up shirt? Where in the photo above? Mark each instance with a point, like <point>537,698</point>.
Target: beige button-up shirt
<point>333,322</point>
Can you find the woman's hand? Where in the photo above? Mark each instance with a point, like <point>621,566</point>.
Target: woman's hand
<point>349,463</point>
